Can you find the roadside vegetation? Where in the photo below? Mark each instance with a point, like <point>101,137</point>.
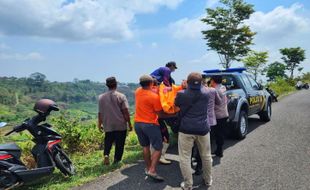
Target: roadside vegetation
<point>76,122</point>
<point>227,34</point>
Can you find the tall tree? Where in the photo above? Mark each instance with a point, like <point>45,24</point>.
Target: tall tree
<point>229,36</point>
<point>37,79</point>
<point>276,69</point>
<point>292,58</point>
<point>255,62</point>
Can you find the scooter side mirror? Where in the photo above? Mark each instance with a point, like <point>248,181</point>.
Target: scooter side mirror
<point>3,124</point>
<point>260,86</point>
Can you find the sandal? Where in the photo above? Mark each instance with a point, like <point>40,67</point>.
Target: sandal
<point>155,177</point>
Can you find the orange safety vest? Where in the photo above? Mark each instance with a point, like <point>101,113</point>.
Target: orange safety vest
<point>167,96</point>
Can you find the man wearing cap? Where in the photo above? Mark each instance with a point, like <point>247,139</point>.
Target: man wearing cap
<point>113,119</point>
<point>214,99</point>
<point>163,74</point>
<point>148,108</point>
<point>194,127</point>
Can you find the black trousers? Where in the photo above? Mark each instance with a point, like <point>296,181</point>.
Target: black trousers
<point>164,129</point>
<point>218,133</point>
<point>117,137</point>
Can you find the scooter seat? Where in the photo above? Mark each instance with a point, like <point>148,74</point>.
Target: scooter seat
<point>9,147</point>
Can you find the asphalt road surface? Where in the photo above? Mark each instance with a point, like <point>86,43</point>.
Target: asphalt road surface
<point>274,155</point>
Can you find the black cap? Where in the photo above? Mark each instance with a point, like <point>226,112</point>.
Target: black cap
<point>171,64</point>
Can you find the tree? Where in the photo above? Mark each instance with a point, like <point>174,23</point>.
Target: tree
<point>36,79</point>
<point>306,77</point>
<point>255,62</point>
<point>275,70</point>
<point>229,36</point>
<point>292,58</point>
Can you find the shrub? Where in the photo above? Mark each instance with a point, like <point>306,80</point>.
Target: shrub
<point>282,86</point>
<point>77,136</point>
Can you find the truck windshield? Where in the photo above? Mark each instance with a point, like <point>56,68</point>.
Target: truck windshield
<point>228,81</point>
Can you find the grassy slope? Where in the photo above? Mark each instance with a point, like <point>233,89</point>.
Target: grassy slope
<point>88,167</point>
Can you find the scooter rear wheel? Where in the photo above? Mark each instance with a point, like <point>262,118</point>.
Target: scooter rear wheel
<point>7,179</point>
<point>63,163</point>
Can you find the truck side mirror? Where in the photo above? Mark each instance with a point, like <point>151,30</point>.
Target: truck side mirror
<point>260,86</point>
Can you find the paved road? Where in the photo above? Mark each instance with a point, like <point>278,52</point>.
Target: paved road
<point>274,155</point>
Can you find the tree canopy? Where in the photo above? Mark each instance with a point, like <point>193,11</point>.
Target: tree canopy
<point>255,62</point>
<point>276,69</point>
<point>229,36</point>
<point>292,58</point>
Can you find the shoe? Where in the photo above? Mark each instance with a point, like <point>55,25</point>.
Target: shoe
<point>209,184</point>
<point>116,161</point>
<point>162,159</point>
<point>106,160</point>
<point>155,177</point>
<point>185,188</point>
<point>218,153</point>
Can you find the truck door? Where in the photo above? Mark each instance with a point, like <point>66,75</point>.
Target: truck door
<point>260,99</point>
<point>252,95</point>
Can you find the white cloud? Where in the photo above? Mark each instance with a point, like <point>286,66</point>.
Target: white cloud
<point>280,24</point>
<point>147,6</point>
<point>188,28</point>
<point>211,3</point>
<point>281,27</point>
<point>106,20</point>
<point>33,56</point>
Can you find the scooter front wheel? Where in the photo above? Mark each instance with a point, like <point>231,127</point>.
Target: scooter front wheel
<point>63,163</point>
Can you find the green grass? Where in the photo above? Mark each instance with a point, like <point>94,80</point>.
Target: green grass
<point>88,167</point>
<point>282,87</point>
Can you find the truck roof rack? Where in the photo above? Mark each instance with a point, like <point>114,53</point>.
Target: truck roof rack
<point>230,70</point>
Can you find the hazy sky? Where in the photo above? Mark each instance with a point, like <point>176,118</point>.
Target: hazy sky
<point>127,38</point>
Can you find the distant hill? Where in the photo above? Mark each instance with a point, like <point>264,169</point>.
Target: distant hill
<point>18,95</point>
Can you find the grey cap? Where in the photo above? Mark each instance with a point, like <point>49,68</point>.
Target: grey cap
<point>146,78</point>
<point>194,80</point>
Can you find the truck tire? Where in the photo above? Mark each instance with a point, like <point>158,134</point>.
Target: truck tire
<point>241,128</point>
<point>266,115</point>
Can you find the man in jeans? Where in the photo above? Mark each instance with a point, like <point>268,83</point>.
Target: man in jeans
<point>194,127</point>
<point>221,114</point>
<point>148,108</point>
<point>113,119</point>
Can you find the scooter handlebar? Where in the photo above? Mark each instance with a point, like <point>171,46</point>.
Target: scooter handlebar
<point>8,133</point>
<point>17,128</point>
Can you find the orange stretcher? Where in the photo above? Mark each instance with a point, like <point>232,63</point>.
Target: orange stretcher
<point>167,96</point>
